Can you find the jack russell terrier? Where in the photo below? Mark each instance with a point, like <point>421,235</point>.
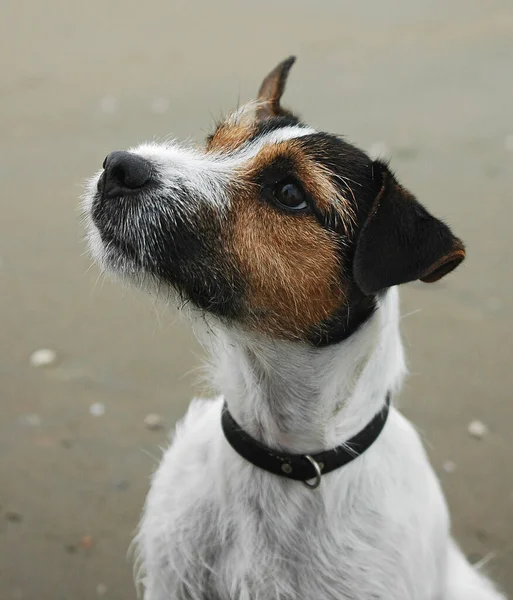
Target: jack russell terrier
<point>301,481</point>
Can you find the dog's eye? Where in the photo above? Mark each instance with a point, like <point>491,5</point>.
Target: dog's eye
<point>289,194</point>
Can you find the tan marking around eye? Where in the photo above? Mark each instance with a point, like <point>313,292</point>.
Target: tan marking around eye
<point>316,178</point>
<point>290,265</point>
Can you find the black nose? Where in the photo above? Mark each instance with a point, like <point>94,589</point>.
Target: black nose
<point>124,171</point>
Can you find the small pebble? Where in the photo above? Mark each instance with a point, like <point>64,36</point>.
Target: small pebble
<point>449,466</point>
<point>101,589</point>
<point>482,535</point>
<point>474,558</point>
<point>31,420</point>
<point>13,517</point>
<point>97,409</point>
<point>153,421</point>
<point>120,485</point>
<point>159,106</point>
<point>477,429</point>
<point>87,542</point>
<point>108,105</point>
<point>379,150</point>
<point>43,358</point>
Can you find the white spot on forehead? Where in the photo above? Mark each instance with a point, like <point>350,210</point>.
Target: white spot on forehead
<point>252,148</point>
<point>282,135</point>
<point>182,157</point>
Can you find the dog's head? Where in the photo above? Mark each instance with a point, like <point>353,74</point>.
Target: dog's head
<point>272,226</point>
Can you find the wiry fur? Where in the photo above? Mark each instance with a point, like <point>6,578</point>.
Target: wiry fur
<point>303,328</point>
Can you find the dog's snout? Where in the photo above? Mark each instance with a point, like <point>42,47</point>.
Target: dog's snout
<point>124,171</point>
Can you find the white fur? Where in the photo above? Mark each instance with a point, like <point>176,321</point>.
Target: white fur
<point>217,528</point>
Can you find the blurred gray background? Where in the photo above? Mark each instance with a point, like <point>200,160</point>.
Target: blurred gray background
<point>428,83</point>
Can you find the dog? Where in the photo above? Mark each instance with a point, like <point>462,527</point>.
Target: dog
<point>301,481</point>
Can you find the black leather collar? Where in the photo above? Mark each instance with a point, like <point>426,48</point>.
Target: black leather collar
<point>302,467</point>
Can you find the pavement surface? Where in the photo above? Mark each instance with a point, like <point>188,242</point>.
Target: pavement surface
<point>428,83</point>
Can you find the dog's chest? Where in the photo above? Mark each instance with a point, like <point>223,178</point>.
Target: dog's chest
<point>273,545</point>
<point>289,551</point>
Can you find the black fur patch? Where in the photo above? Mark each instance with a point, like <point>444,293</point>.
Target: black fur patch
<point>352,173</point>
<point>401,241</point>
<point>357,310</point>
<point>184,250</point>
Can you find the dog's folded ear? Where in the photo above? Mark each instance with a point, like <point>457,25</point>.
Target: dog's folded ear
<point>271,91</point>
<point>400,241</point>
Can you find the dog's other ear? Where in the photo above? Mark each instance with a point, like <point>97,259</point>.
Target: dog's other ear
<point>400,241</point>
<point>271,91</point>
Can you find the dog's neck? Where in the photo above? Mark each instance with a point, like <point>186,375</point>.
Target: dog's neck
<point>302,399</point>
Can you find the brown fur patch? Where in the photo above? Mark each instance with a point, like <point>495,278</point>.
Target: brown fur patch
<point>228,137</point>
<point>236,129</point>
<point>291,267</point>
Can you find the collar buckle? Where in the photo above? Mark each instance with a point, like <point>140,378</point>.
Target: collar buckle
<point>318,474</point>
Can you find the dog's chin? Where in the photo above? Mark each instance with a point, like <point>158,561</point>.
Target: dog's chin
<point>110,257</point>
<point>113,262</point>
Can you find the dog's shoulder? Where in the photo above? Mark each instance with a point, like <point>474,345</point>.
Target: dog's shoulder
<point>178,520</point>
<point>187,458</point>
<point>193,435</point>
<point>203,415</point>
